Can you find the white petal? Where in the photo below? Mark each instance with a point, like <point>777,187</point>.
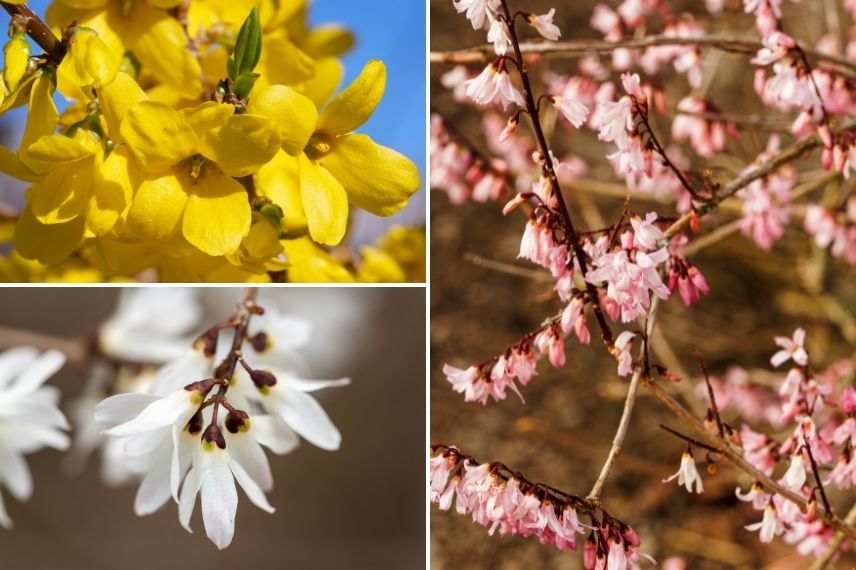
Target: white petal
<point>306,385</point>
<point>15,473</point>
<point>274,433</point>
<point>14,361</point>
<point>245,450</point>
<point>306,416</point>
<point>5,521</point>
<point>163,412</point>
<point>153,491</point>
<point>182,453</point>
<point>188,497</point>
<point>191,367</point>
<point>121,408</point>
<point>27,438</point>
<point>219,501</point>
<point>253,491</point>
<point>39,371</point>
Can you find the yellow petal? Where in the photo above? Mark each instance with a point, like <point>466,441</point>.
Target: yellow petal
<point>58,148</point>
<point>377,178</point>
<point>324,202</point>
<point>16,57</point>
<point>158,135</point>
<point>283,62</point>
<point>379,267</point>
<point>328,40</point>
<point>116,98</point>
<point>217,216</point>
<point>49,244</point>
<point>89,62</point>
<point>293,114</point>
<point>244,144</point>
<point>63,193</point>
<point>111,193</point>
<point>262,243</point>
<point>205,120</point>
<point>84,4</point>
<point>42,117</point>
<point>328,76</point>
<point>353,106</point>
<point>157,208</point>
<point>10,164</point>
<point>307,263</point>
<point>162,50</point>
<point>279,180</point>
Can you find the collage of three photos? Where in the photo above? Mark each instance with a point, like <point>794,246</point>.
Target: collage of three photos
<point>448,284</point>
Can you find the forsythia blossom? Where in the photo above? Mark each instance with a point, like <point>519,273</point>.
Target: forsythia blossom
<point>29,417</point>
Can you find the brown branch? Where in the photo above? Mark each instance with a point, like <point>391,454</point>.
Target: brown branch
<point>76,350</point>
<point>37,29</point>
<point>546,156</point>
<point>766,168</point>
<point>733,456</point>
<point>580,48</point>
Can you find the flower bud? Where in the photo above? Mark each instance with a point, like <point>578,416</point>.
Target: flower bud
<point>263,379</point>
<point>237,421</point>
<point>207,342</point>
<point>213,436</point>
<point>260,341</point>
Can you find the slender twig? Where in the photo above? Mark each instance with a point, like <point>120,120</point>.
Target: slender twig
<point>585,47</point>
<point>711,395</point>
<point>549,171</point>
<point>817,477</point>
<point>766,168</point>
<point>507,268</point>
<point>835,544</point>
<point>623,424</point>
<point>76,350</point>
<point>37,29</point>
<point>688,439</point>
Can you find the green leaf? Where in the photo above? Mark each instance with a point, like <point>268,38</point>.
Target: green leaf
<point>248,47</point>
<point>244,84</point>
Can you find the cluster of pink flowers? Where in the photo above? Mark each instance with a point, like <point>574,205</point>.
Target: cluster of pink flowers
<point>633,15</point>
<point>631,271</point>
<point>766,202</point>
<point>707,136</point>
<point>835,230</point>
<point>504,501</point>
<point>456,170</point>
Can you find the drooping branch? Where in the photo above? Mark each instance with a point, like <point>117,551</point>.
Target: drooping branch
<point>37,29</point>
<point>571,49</point>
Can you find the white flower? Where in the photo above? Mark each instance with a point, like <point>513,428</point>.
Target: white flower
<point>575,112</point>
<point>544,24</point>
<point>645,233</point>
<point>770,525</point>
<point>794,478</point>
<point>687,474</point>
<point>615,119</point>
<point>478,12</point>
<point>150,324</point>
<point>792,349</point>
<point>498,36</point>
<point>29,417</point>
<point>491,84</point>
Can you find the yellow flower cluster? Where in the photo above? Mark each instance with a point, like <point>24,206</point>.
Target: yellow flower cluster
<point>205,141</point>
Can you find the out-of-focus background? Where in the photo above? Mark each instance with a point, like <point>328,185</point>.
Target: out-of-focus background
<point>388,30</point>
<point>360,507</point>
<point>561,435</point>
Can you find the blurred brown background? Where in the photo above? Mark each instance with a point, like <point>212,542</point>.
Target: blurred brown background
<point>561,435</point>
<point>360,507</point>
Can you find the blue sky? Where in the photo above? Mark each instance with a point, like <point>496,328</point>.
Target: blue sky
<point>393,31</point>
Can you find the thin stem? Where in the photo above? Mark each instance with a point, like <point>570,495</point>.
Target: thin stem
<point>817,478</point>
<point>712,396</point>
<point>550,172</point>
<point>835,544</point>
<point>580,48</point>
<point>623,424</point>
<point>688,439</point>
<point>38,30</point>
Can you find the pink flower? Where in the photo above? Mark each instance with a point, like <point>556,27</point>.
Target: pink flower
<point>544,24</point>
<point>792,349</point>
<point>770,525</point>
<point>795,476</point>
<point>687,474</point>
<point>645,232</point>
<point>621,352</point>
<point>776,46</point>
<point>574,111</point>
<point>492,84</point>
<point>614,120</point>
<point>498,36</point>
<point>756,496</point>
<point>478,12</point>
